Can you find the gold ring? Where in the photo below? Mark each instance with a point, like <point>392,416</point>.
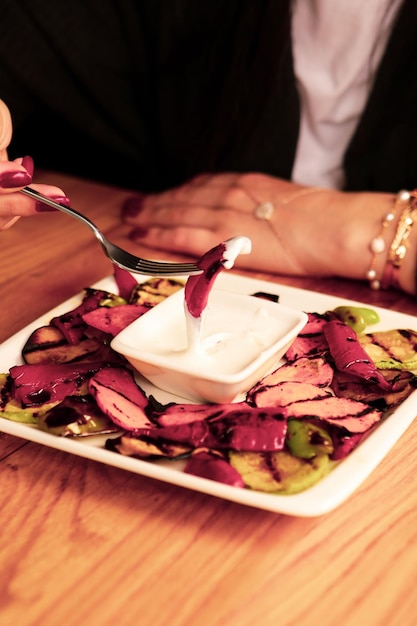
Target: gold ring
<point>264,211</point>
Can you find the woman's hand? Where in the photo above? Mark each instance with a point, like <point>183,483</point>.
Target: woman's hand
<point>311,231</point>
<point>17,174</point>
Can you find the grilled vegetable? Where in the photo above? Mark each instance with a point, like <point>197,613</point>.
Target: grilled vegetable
<point>312,370</point>
<point>12,410</point>
<point>250,429</point>
<point>34,385</point>
<point>306,439</point>
<point>154,291</point>
<point>402,384</point>
<point>392,349</point>
<point>310,341</point>
<point>279,472</point>
<point>348,354</point>
<point>353,416</point>
<point>114,319</point>
<point>214,466</point>
<point>129,445</point>
<point>120,398</point>
<point>174,414</point>
<point>71,323</point>
<point>197,288</point>
<point>285,393</point>
<point>76,416</point>
<point>47,344</point>
<point>356,317</point>
<point>125,282</point>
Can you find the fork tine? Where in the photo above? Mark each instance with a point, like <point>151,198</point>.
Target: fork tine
<point>167,269</point>
<point>149,266</point>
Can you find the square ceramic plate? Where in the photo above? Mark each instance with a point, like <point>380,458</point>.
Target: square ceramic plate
<point>329,493</point>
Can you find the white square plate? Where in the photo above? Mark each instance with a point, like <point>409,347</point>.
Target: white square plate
<point>329,493</point>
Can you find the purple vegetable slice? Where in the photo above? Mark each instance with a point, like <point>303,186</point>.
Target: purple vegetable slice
<point>250,429</point>
<point>287,392</point>
<point>111,320</point>
<point>349,356</point>
<point>403,383</point>
<point>197,288</point>
<point>212,465</point>
<point>125,282</point>
<point>119,397</point>
<point>314,370</point>
<point>177,414</point>
<point>354,416</point>
<point>36,384</point>
<point>71,323</point>
<point>310,341</point>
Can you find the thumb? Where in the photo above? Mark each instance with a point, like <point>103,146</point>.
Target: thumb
<point>6,129</point>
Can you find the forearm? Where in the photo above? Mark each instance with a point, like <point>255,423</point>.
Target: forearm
<point>306,231</point>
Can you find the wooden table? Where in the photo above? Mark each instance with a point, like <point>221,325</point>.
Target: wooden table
<point>83,543</point>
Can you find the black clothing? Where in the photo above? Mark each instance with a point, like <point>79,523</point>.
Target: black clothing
<point>148,93</point>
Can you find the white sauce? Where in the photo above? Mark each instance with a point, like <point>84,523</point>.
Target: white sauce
<point>229,339</point>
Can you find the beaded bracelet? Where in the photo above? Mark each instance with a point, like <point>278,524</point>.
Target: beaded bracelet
<point>399,247</point>
<point>377,245</point>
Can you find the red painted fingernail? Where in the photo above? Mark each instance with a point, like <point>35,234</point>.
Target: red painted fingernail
<point>8,180</point>
<point>27,163</point>
<point>132,206</point>
<point>40,207</point>
<point>139,233</point>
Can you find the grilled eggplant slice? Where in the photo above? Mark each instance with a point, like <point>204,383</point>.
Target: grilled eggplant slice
<point>48,344</point>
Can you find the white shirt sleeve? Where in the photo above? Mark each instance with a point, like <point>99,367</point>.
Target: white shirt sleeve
<point>337,47</point>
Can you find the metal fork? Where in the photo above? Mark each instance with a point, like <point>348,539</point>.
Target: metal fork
<point>117,255</point>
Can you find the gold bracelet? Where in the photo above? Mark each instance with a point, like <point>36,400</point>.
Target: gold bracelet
<point>377,245</point>
<point>399,245</point>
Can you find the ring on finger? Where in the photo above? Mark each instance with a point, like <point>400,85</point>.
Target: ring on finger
<point>264,211</point>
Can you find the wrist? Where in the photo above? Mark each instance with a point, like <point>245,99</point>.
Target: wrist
<point>392,250</point>
<point>400,267</point>
<point>362,246</point>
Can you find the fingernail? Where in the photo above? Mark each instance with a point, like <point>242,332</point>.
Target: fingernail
<point>132,206</point>
<point>27,163</point>
<point>40,207</point>
<point>9,180</point>
<point>139,233</point>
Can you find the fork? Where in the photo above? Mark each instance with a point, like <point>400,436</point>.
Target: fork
<point>117,255</point>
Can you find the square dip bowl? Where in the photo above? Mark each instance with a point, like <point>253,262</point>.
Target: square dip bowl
<point>242,337</point>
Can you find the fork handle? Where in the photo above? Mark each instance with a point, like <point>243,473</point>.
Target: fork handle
<point>39,197</point>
